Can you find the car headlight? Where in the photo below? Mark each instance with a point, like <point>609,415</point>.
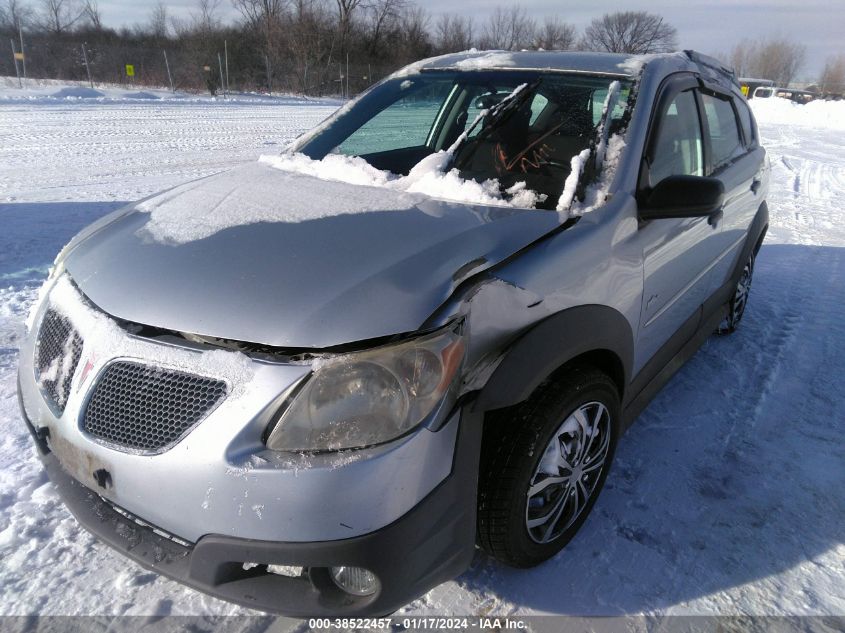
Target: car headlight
<point>367,398</point>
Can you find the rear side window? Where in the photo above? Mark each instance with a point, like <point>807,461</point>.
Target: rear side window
<point>745,120</point>
<point>725,142</point>
<point>677,150</point>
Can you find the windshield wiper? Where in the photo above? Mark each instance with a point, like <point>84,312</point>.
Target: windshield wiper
<point>494,115</point>
<point>509,104</point>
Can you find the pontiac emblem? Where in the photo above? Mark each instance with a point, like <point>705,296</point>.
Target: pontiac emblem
<point>89,365</point>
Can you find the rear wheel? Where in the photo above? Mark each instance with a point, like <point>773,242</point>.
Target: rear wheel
<point>736,307</point>
<point>543,466</point>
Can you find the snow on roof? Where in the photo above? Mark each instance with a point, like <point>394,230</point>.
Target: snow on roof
<point>599,63</point>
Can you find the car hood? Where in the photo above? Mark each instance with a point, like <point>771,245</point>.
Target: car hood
<point>265,256</point>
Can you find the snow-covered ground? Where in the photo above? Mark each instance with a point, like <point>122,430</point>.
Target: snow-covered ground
<point>725,498</point>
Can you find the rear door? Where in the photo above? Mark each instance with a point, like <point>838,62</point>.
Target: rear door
<point>734,157</point>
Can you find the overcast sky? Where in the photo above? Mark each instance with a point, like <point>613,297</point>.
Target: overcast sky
<point>711,27</point>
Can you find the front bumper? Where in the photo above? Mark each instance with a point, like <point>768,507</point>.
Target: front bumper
<point>220,478</point>
<point>429,545</point>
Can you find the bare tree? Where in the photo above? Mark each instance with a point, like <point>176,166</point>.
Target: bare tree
<point>634,32</point>
<point>777,59</point>
<point>259,13</point>
<point>91,13</point>
<point>157,23</point>
<point>345,10</point>
<point>381,15</point>
<point>740,58</point>
<point>13,13</point>
<point>415,41</point>
<point>555,35</point>
<point>59,16</point>
<point>453,33</point>
<point>509,29</point>
<point>833,76</point>
<point>206,19</point>
<point>264,17</point>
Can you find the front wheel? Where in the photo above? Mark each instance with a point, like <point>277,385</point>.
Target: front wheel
<point>736,307</point>
<point>544,463</point>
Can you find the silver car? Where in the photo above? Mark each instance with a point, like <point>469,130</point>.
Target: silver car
<point>312,385</point>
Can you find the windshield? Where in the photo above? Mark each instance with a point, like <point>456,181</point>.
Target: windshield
<point>552,118</point>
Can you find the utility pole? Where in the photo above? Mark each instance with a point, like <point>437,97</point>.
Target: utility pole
<point>87,68</point>
<point>347,74</point>
<point>269,75</point>
<point>167,65</point>
<point>15,57</point>
<point>226,49</point>
<point>220,66</point>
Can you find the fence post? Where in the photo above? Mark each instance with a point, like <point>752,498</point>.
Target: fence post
<point>167,65</point>
<point>220,66</point>
<point>226,53</point>
<point>15,58</point>
<point>87,68</point>
<point>23,54</point>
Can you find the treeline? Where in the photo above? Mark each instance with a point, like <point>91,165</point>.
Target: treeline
<point>313,47</point>
<point>302,46</point>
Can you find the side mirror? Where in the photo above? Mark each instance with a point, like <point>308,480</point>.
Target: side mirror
<point>684,197</point>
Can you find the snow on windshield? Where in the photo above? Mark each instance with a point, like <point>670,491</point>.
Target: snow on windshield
<point>430,177</point>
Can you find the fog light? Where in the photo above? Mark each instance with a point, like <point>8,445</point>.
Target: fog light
<point>355,580</point>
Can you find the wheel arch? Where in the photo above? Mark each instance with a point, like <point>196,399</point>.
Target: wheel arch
<point>594,335</point>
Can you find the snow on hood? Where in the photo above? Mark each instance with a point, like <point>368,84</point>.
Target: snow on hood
<point>263,275</point>
<point>256,193</point>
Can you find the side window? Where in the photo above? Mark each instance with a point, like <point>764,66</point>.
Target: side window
<point>405,123</point>
<point>538,104</point>
<point>745,119</point>
<point>677,150</point>
<point>725,143</point>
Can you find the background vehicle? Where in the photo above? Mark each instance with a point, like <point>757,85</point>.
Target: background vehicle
<point>798,96</point>
<point>749,84</point>
<point>399,377</point>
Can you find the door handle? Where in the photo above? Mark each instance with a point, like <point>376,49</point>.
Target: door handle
<point>755,185</point>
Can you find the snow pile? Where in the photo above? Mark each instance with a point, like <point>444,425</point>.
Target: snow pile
<point>97,330</point>
<point>59,90</point>
<point>775,111</point>
<point>430,177</point>
<point>77,92</point>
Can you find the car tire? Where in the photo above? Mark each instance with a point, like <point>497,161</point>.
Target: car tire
<point>535,446</point>
<point>739,300</point>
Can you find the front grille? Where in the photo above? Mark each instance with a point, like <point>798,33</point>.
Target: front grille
<point>57,354</point>
<point>147,408</point>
